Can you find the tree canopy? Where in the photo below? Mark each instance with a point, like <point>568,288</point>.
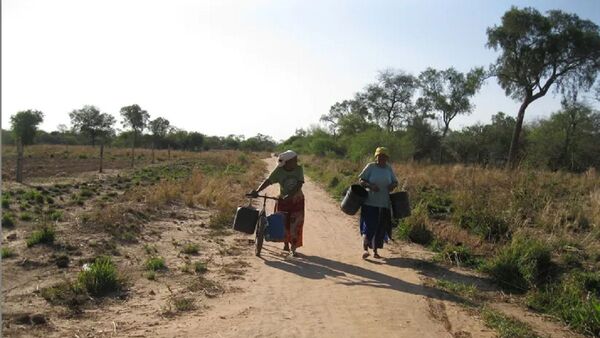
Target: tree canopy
<point>89,121</point>
<point>24,125</point>
<point>537,52</point>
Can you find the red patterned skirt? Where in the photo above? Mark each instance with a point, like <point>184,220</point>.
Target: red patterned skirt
<point>294,220</point>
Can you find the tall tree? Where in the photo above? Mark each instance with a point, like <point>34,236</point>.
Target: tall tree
<point>135,118</point>
<point>389,101</point>
<point>24,126</point>
<point>91,122</point>
<point>539,51</point>
<point>347,109</point>
<point>449,92</point>
<point>159,128</point>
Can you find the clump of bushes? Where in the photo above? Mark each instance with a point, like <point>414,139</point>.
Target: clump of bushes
<point>575,299</point>
<point>155,264</point>
<point>416,227</point>
<point>8,220</point>
<point>190,249</point>
<point>45,235</point>
<point>100,278</point>
<point>521,265</point>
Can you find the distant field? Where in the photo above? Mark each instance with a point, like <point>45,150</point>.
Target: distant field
<point>61,160</point>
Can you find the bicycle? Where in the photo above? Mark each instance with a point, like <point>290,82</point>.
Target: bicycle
<point>261,223</point>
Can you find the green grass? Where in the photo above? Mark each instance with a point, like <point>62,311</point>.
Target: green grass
<point>200,267</point>
<point>26,216</point>
<point>101,277</point>
<point>155,264</point>
<point>71,295</point>
<point>520,265</point>
<point>505,326</point>
<point>415,227</point>
<point>190,249</point>
<point>468,291</point>
<point>575,299</point>
<point>45,235</point>
<point>458,255</point>
<point>5,202</point>
<point>7,252</point>
<point>56,215</point>
<point>151,275</point>
<point>8,220</point>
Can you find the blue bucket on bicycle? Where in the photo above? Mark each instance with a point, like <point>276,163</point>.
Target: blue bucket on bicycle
<point>275,230</point>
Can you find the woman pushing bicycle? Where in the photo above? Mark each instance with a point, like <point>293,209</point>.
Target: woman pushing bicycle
<point>290,176</point>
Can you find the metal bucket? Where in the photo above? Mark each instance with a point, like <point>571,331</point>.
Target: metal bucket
<point>400,204</point>
<point>275,230</point>
<point>245,219</point>
<point>355,197</point>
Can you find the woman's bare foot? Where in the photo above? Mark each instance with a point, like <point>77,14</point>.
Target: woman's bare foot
<point>286,247</point>
<point>376,255</point>
<point>365,254</point>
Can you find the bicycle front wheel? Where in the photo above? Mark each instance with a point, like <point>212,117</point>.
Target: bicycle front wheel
<point>260,235</point>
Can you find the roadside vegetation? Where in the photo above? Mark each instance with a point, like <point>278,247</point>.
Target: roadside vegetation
<point>535,233</point>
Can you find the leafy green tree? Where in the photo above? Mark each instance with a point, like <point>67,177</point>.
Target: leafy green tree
<point>569,139</point>
<point>159,128</point>
<point>136,119</point>
<point>389,101</point>
<point>540,51</point>
<point>449,92</point>
<point>24,126</point>
<point>91,122</point>
<point>341,113</point>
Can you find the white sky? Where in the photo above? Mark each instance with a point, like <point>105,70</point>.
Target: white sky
<point>241,67</point>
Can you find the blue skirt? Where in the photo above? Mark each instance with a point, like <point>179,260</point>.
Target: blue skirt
<point>375,225</point>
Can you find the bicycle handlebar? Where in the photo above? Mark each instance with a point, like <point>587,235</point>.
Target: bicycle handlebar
<point>262,196</point>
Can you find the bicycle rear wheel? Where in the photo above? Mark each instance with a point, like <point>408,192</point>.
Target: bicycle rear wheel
<point>260,234</point>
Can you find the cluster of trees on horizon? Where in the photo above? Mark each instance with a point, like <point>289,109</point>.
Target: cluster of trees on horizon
<point>538,53</point>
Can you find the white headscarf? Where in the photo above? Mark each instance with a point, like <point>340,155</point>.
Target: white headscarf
<point>285,156</point>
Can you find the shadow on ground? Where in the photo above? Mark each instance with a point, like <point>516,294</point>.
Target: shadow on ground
<point>315,267</point>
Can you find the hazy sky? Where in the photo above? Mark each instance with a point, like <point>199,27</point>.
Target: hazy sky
<point>242,67</point>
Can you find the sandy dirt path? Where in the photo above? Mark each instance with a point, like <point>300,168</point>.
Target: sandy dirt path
<point>330,291</point>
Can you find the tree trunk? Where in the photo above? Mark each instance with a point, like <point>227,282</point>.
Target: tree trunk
<point>133,149</point>
<point>514,144</point>
<point>101,156</point>
<point>446,127</point>
<point>19,160</point>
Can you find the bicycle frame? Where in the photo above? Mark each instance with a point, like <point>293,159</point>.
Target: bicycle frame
<point>261,223</point>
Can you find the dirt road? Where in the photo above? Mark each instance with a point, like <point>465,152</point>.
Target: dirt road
<point>330,291</point>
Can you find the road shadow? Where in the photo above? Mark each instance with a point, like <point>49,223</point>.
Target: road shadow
<point>315,267</point>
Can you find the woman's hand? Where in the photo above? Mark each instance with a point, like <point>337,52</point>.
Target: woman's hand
<point>392,186</point>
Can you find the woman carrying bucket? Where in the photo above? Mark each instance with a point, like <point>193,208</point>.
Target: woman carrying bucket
<point>290,176</point>
<point>375,216</point>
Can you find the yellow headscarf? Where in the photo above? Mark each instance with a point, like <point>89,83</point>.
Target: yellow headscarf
<point>382,151</point>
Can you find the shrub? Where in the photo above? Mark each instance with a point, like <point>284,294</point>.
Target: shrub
<point>56,215</point>
<point>191,249</point>
<point>200,267</point>
<point>68,294</point>
<point>521,265</point>
<point>5,202</point>
<point>575,299</point>
<point>8,220</point>
<point>183,304</point>
<point>458,255</point>
<point>25,216</point>
<point>44,235</point>
<point>7,252</point>
<point>101,277</point>
<point>416,227</point>
<point>155,264</point>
